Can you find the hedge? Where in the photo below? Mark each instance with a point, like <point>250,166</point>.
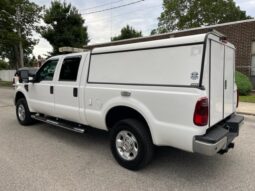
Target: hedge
<point>243,84</point>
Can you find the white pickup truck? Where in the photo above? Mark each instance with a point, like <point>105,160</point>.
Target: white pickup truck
<point>177,92</point>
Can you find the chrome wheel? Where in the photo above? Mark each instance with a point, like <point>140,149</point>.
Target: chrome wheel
<point>127,145</point>
<point>21,112</point>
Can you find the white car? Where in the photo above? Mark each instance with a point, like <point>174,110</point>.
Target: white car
<point>177,92</point>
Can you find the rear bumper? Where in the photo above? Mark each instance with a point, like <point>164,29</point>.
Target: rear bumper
<point>218,138</point>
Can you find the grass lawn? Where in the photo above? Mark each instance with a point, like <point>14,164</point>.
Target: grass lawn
<point>250,98</point>
<point>5,84</point>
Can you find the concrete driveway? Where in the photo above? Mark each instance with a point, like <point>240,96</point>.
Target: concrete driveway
<point>43,157</point>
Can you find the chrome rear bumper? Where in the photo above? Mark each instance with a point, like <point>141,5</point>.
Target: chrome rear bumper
<point>218,138</point>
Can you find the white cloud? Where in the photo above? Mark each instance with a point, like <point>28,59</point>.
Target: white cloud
<point>42,48</point>
<point>248,6</point>
<point>143,17</point>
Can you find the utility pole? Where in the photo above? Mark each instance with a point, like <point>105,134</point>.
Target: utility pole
<point>21,51</point>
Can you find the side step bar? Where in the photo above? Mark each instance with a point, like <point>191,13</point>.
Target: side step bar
<point>65,125</point>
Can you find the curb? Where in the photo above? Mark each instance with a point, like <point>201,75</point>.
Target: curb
<point>244,113</point>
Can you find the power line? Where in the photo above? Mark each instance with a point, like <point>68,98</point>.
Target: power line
<point>88,21</point>
<point>102,5</point>
<point>108,9</point>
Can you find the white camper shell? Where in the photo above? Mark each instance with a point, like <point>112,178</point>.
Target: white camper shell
<point>177,92</point>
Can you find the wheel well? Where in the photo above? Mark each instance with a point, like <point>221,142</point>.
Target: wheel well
<point>18,96</point>
<point>123,112</point>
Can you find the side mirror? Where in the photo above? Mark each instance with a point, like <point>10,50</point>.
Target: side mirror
<point>24,76</point>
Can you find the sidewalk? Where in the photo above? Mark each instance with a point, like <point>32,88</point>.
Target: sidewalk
<point>246,108</point>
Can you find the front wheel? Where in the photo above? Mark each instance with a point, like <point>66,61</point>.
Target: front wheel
<point>22,112</point>
<point>131,144</point>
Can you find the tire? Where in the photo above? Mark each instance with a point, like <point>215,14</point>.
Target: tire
<point>22,112</point>
<point>138,141</point>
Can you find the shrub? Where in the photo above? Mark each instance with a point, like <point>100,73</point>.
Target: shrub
<point>3,65</point>
<point>243,84</point>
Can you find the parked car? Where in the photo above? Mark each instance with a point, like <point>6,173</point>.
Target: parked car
<point>177,92</point>
<point>22,74</point>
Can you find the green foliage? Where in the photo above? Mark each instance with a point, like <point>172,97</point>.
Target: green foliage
<point>64,26</point>
<point>3,65</point>
<point>17,16</point>
<point>126,33</point>
<point>5,83</point>
<point>31,62</point>
<point>244,85</point>
<point>185,14</point>
<point>250,99</point>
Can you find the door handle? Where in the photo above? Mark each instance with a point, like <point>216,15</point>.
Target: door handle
<point>75,92</point>
<point>51,89</point>
<point>226,84</point>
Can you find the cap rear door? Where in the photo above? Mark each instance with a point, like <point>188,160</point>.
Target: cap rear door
<point>216,82</point>
<point>229,102</point>
<point>222,59</point>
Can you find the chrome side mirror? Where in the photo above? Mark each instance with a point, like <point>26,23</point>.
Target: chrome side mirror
<point>31,79</point>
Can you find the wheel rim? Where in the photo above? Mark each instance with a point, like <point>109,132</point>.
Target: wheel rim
<point>21,112</point>
<point>127,145</point>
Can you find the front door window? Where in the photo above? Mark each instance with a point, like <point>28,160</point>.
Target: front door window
<point>46,72</point>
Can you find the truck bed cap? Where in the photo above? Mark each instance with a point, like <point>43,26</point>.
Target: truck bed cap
<point>153,44</point>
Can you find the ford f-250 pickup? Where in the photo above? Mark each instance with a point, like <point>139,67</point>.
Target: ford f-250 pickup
<point>177,92</point>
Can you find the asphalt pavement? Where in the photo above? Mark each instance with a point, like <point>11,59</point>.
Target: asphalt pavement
<point>43,157</point>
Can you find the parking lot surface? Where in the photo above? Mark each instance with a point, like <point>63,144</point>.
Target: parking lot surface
<point>43,157</point>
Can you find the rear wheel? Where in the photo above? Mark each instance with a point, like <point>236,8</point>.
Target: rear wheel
<point>131,144</point>
<point>22,112</point>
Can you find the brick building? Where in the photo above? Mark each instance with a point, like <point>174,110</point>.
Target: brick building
<point>240,33</point>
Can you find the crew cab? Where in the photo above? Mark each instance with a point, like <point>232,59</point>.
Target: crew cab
<point>177,92</point>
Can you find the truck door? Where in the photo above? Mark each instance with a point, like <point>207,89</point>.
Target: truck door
<point>221,81</point>
<point>67,89</point>
<point>229,106</point>
<point>40,92</point>
<point>216,85</point>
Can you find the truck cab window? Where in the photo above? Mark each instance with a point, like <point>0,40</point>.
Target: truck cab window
<point>46,72</point>
<point>69,69</point>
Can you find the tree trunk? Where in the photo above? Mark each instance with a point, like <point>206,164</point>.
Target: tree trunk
<point>21,52</point>
<point>16,57</point>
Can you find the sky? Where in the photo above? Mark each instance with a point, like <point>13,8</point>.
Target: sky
<point>103,25</point>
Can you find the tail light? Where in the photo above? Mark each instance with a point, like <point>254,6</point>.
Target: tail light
<point>201,112</point>
<point>237,99</point>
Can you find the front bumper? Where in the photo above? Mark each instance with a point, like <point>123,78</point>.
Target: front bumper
<point>218,138</point>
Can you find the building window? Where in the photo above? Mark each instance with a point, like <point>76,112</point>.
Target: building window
<point>253,59</point>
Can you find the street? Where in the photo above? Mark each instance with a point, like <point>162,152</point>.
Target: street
<point>44,157</point>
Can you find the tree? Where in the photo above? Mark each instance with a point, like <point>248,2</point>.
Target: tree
<point>126,33</point>
<point>185,14</point>
<point>18,19</point>
<point>65,27</point>
<point>3,65</point>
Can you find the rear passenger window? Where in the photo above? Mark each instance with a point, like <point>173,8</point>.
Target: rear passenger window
<point>69,69</point>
